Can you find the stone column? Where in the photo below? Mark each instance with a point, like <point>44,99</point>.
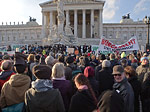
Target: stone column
<point>83,24</point>
<point>43,25</point>
<point>92,23</point>
<point>100,24</point>
<point>67,17</point>
<point>75,23</point>
<point>51,19</point>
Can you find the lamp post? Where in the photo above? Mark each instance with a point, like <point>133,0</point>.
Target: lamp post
<point>147,21</point>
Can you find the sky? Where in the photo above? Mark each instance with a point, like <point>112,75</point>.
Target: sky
<point>20,10</point>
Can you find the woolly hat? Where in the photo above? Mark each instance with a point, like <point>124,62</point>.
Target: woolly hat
<point>123,54</point>
<point>144,58</point>
<point>49,60</point>
<point>88,72</point>
<point>42,71</point>
<point>106,63</point>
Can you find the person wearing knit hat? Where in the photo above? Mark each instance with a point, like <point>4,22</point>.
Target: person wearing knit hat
<point>101,58</point>
<point>125,59</point>
<point>143,58</point>
<point>89,73</point>
<point>123,55</point>
<point>106,63</point>
<point>50,61</point>
<point>104,76</point>
<point>143,68</point>
<point>41,90</point>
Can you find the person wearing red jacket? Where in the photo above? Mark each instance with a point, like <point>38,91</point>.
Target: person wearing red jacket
<point>6,72</point>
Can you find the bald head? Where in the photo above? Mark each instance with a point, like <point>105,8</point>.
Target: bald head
<point>6,65</point>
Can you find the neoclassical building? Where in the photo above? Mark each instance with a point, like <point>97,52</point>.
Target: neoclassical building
<point>29,33</point>
<point>85,20</point>
<point>84,17</point>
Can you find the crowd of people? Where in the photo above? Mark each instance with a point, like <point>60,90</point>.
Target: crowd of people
<point>53,81</point>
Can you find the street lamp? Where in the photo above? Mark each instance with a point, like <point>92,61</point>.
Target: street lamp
<point>147,21</point>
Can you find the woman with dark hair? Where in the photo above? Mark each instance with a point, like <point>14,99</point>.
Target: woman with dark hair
<point>136,85</point>
<point>84,99</point>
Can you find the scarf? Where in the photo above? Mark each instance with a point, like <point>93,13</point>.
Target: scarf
<point>83,87</point>
<point>41,85</point>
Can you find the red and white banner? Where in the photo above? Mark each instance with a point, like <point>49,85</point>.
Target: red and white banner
<point>106,45</point>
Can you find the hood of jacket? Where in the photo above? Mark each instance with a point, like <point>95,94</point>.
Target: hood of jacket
<point>19,80</point>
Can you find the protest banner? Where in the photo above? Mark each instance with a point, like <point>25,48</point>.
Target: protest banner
<point>130,45</point>
<point>70,50</point>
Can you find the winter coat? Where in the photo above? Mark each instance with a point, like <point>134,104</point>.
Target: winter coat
<point>45,101</point>
<point>97,69</point>
<point>14,89</point>
<point>105,79</point>
<point>111,101</point>
<point>145,95</point>
<point>136,85</point>
<point>95,85</point>
<point>141,70</point>
<point>65,88</point>
<point>82,101</point>
<point>5,76</point>
<point>126,91</point>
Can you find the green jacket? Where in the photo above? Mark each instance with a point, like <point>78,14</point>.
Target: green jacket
<point>47,101</point>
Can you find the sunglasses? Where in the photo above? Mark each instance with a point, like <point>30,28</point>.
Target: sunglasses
<point>117,74</point>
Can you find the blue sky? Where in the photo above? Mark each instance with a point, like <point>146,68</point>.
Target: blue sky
<point>20,10</point>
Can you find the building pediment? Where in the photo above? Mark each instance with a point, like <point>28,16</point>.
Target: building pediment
<point>53,2</point>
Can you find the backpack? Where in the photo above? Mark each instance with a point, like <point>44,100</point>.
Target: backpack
<point>14,108</point>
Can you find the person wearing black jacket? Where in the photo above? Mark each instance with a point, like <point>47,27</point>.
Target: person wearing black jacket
<point>84,99</point>
<point>111,101</point>
<point>105,77</point>
<point>145,94</point>
<point>123,87</point>
<point>136,85</point>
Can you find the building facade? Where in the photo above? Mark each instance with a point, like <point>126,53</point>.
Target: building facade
<point>85,18</point>
<point>29,33</point>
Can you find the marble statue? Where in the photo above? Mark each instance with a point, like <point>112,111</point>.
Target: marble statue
<point>57,33</point>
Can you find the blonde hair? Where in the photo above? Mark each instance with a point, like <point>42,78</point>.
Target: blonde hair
<point>31,58</point>
<point>82,60</point>
<point>58,70</point>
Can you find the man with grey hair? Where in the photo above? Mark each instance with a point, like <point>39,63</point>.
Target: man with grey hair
<point>105,77</point>
<point>6,72</point>
<point>123,87</point>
